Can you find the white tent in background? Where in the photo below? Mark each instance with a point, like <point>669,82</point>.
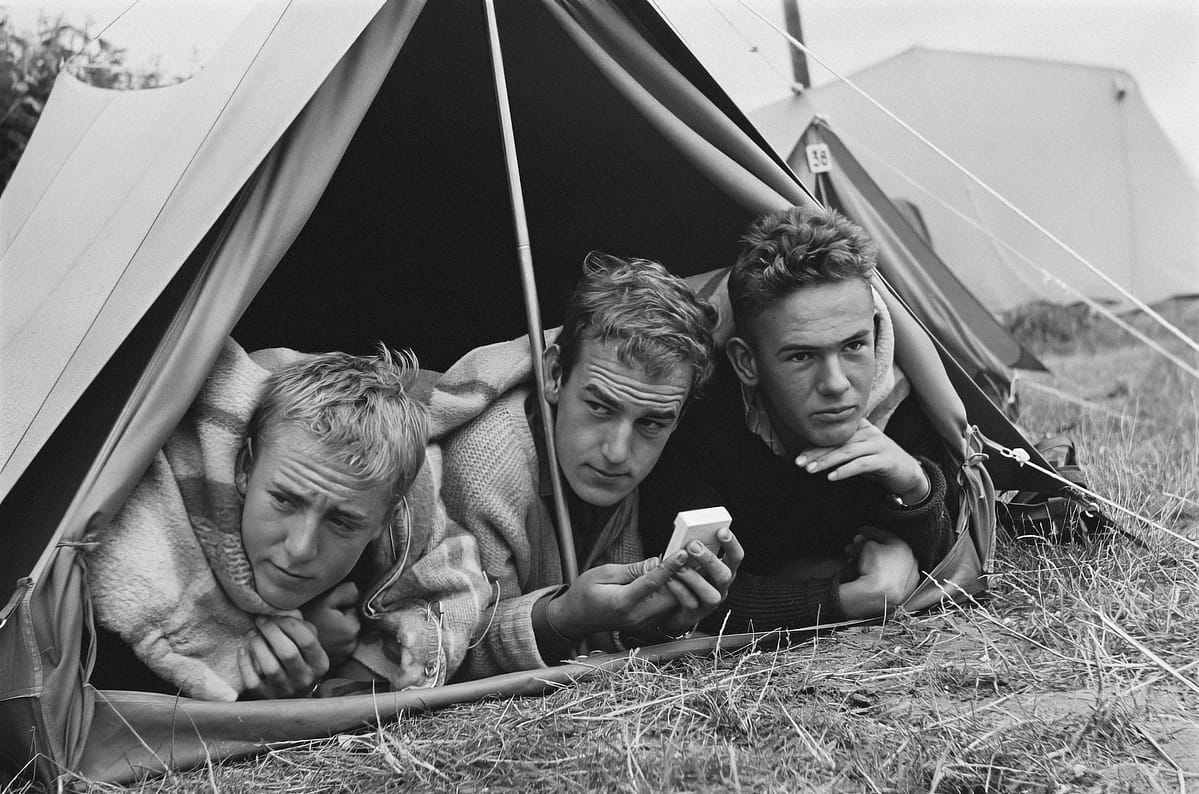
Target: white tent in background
<point>1074,147</point>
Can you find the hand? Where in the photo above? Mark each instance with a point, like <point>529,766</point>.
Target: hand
<point>702,585</point>
<point>284,659</point>
<point>872,454</point>
<point>887,573</point>
<point>611,597</point>
<point>334,615</point>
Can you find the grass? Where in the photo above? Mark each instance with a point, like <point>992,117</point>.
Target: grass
<point>1079,673</point>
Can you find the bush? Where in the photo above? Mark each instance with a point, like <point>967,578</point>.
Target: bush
<point>29,65</point>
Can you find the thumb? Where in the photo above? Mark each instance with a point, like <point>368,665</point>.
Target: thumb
<point>874,533</point>
<point>636,569</point>
<point>345,595</point>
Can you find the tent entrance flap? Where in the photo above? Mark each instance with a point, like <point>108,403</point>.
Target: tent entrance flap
<point>408,238</point>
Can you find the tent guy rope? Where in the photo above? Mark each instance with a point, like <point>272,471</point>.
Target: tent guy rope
<point>969,174</point>
<point>1021,458</point>
<point>1046,276</point>
<point>1074,399</point>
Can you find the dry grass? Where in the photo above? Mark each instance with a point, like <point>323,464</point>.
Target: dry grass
<point>1080,673</point>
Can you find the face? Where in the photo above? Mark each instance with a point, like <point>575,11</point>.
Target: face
<point>612,420</point>
<point>305,521</point>
<point>811,357</point>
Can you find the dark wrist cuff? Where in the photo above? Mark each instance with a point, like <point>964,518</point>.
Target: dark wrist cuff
<point>552,645</point>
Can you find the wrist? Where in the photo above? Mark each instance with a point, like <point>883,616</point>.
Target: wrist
<point>917,492</point>
<point>858,600</point>
<point>560,619</point>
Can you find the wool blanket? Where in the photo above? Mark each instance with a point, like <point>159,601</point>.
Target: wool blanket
<point>170,576</point>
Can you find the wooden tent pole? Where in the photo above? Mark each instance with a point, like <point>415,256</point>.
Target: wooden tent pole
<point>799,61</point>
<point>566,545</point>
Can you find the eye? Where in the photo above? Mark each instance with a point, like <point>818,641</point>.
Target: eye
<point>280,500</point>
<point>652,427</point>
<point>856,346</point>
<point>598,408</point>
<point>800,357</point>
<point>343,525</point>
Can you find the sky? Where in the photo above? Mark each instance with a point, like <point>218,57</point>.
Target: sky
<point>1156,41</point>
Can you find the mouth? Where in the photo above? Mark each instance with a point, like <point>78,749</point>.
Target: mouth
<point>835,415</point>
<point>287,575</point>
<point>603,475</point>
<point>839,414</point>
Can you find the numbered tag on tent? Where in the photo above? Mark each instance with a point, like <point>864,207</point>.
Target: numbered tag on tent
<point>819,159</point>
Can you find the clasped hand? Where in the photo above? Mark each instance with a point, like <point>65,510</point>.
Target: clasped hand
<point>887,574</point>
<point>289,656</point>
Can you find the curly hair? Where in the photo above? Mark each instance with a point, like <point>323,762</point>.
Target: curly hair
<point>785,250</point>
<point>651,315</point>
<point>357,408</point>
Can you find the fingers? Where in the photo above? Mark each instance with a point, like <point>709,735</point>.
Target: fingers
<point>284,658</point>
<point>710,567</point>
<point>344,596</point>
<point>250,679</point>
<point>868,444</point>
<point>868,532</point>
<point>814,455</point>
<point>683,593</point>
<point>655,574</point>
<point>733,551</point>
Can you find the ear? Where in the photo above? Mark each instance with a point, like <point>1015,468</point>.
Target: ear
<point>551,383</point>
<point>741,356</point>
<point>245,463</point>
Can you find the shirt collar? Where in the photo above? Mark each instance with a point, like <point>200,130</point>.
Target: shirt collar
<point>757,419</point>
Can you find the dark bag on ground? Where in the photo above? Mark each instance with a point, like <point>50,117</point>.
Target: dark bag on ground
<point>1062,518</point>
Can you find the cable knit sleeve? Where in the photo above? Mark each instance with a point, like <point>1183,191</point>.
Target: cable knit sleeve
<point>490,489</point>
<point>926,527</point>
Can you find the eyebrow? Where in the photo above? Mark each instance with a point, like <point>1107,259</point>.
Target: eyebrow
<point>598,392</point>
<point>348,515</point>
<point>855,337</point>
<point>337,511</point>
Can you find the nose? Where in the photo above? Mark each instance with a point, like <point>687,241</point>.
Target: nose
<point>617,442</point>
<point>301,543</point>
<point>833,380</point>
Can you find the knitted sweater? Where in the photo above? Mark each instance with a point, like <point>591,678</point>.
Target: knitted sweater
<point>782,515</point>
<point>496,486</point>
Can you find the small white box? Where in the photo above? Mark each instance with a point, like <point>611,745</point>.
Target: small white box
<point>701,525</point>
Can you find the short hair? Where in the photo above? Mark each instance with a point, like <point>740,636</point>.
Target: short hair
<point>357,408</point>
<point>785,250</point>
<point>655,320</point>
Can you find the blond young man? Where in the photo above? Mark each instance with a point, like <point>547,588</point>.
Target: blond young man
<point>290,527</point>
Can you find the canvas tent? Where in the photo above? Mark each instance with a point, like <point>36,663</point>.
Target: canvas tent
<point>971,334</point>
<point>333,176</point>
<point>1075,147</point>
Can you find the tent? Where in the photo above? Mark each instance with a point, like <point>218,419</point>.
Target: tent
<point>1075,147</point>
<point>333,176</point>
<point>971,334</point>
